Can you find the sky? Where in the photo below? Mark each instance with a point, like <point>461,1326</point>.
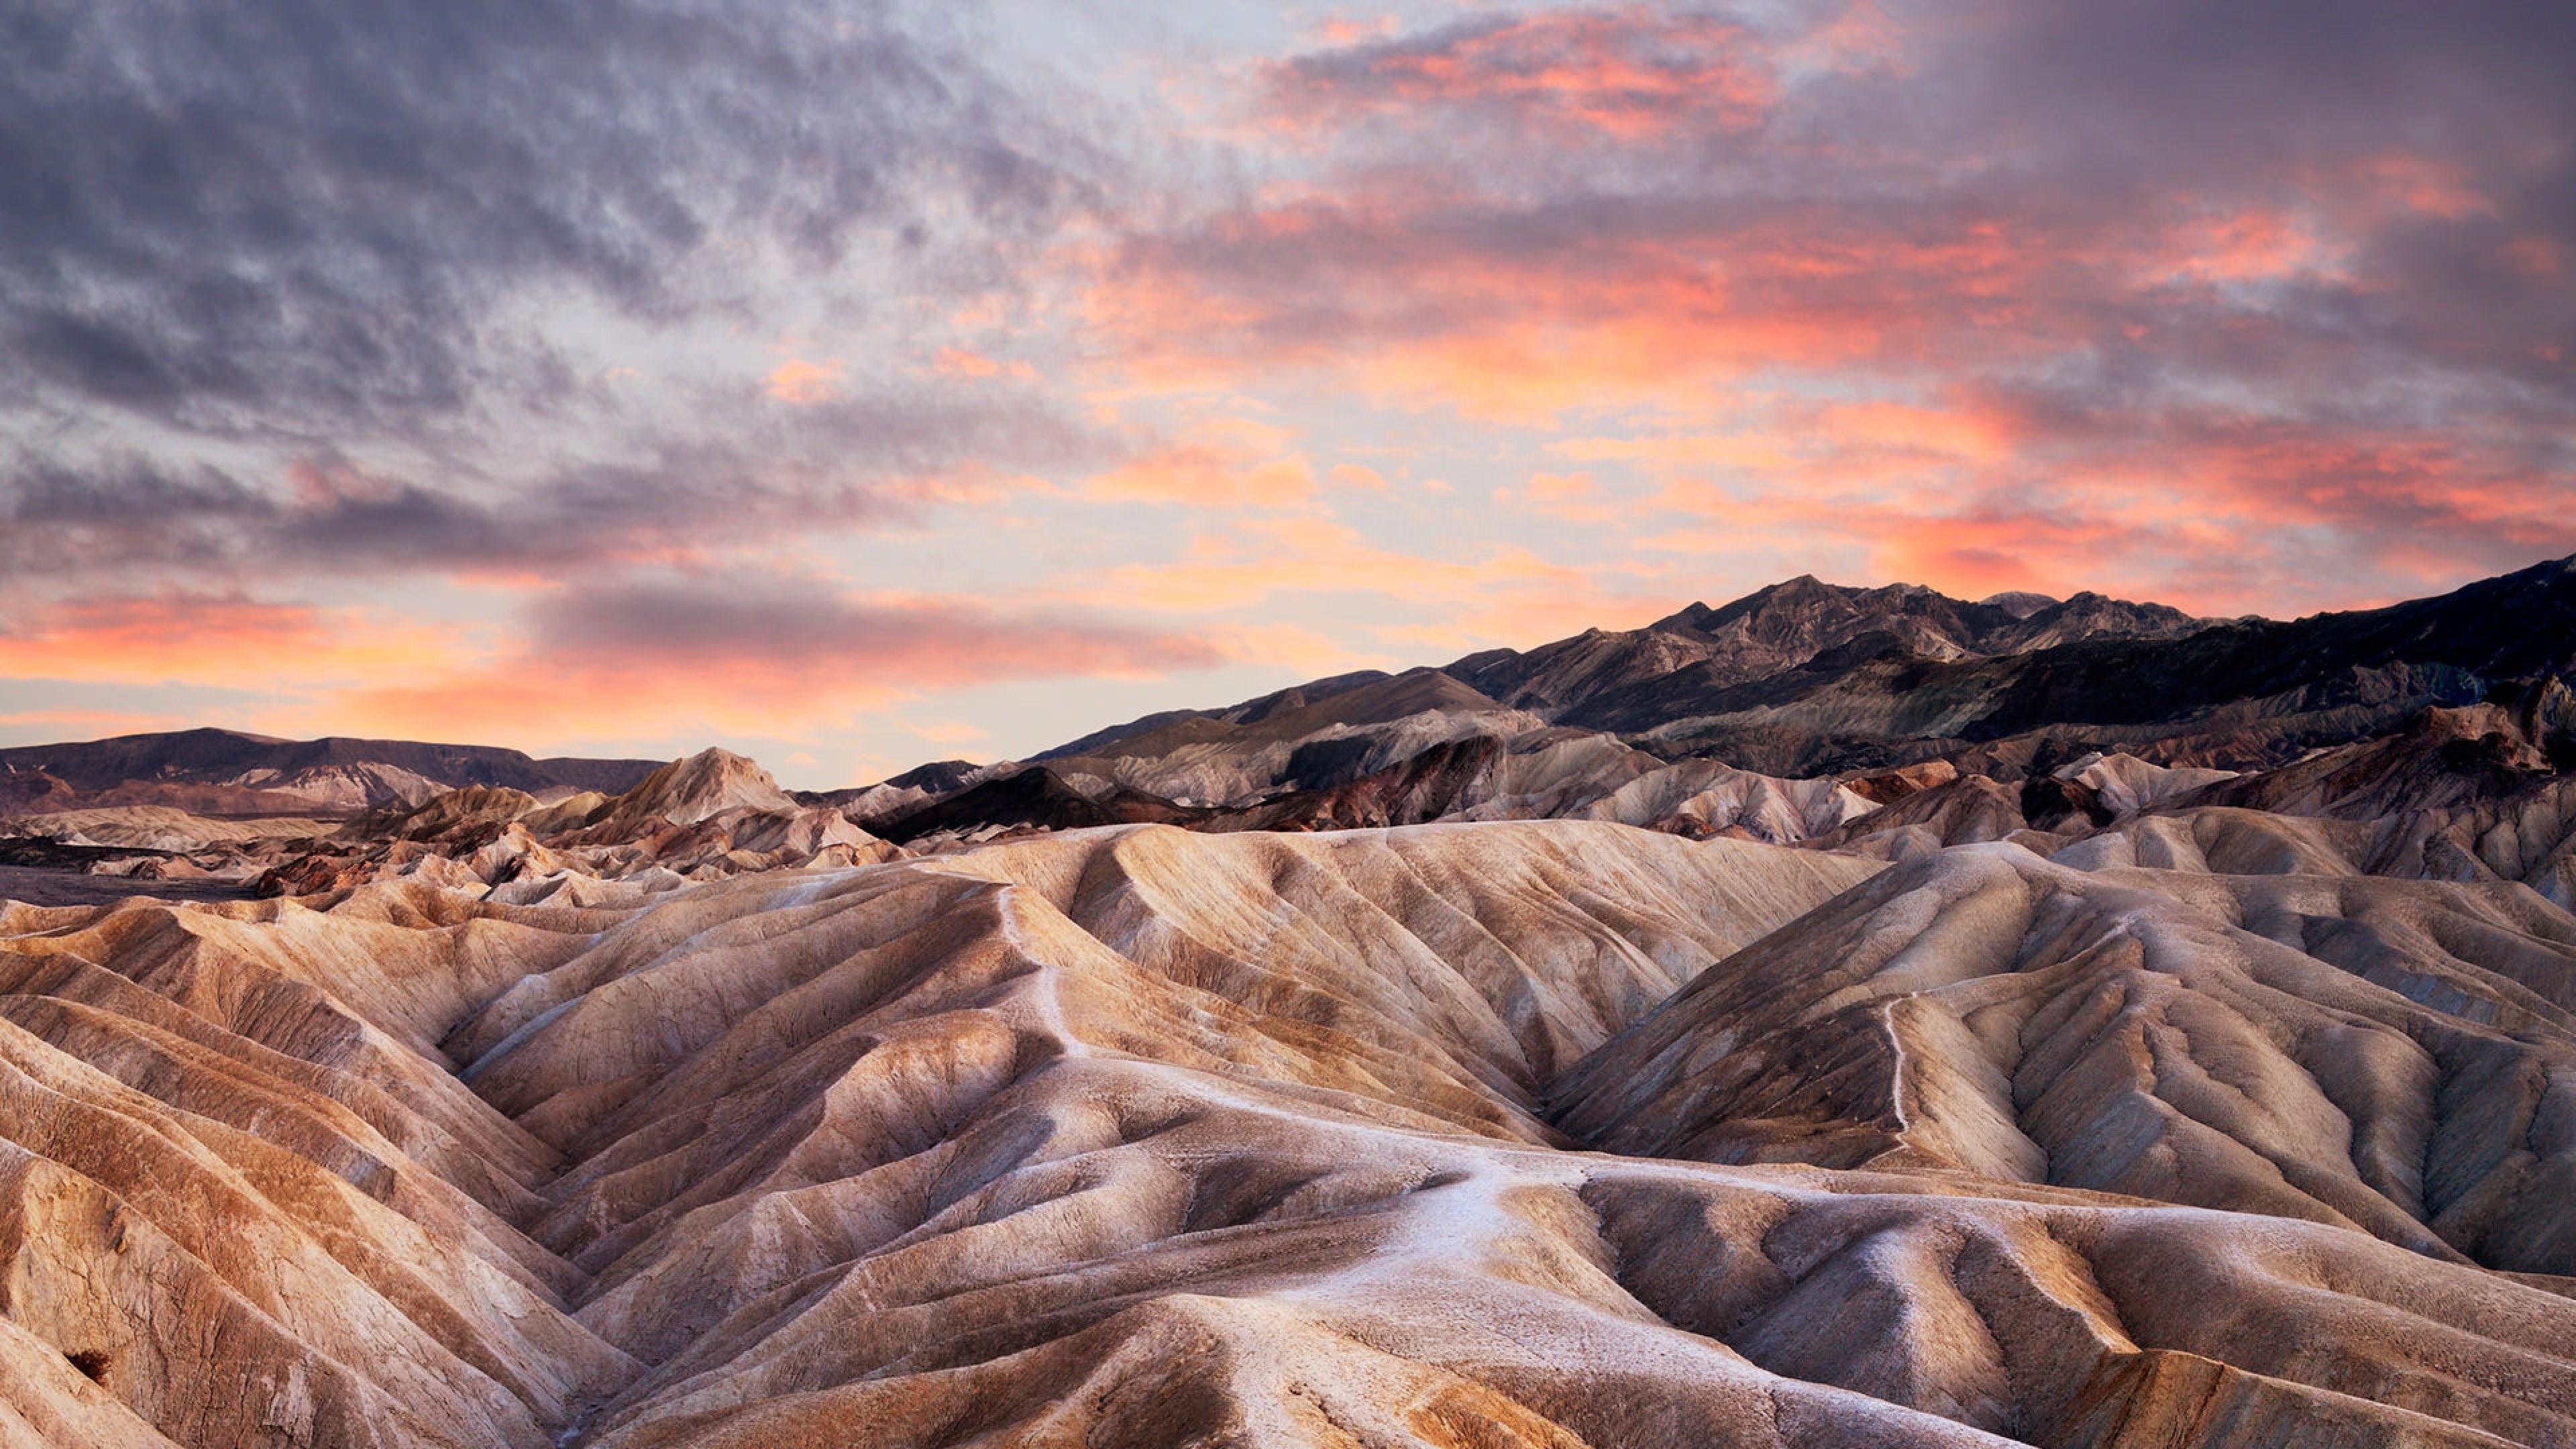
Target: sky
<point>858,384</point>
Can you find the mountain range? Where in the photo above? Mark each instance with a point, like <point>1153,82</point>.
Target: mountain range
<point>227,772</point>
<point>1802,679</point>
<point>1842,1017</point>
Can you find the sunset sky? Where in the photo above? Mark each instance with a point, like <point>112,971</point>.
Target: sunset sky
<point>856,384</point>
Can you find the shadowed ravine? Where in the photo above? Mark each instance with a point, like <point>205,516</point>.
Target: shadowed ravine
<point>1144,1137</point>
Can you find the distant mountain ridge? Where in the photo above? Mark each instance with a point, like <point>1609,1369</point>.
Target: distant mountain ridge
<point>217,771</point>
<point>1802,680</point>
<point>1786,625</point>
<point>1628,679</point>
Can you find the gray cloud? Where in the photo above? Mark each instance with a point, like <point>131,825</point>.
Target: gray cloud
<point>2119,104</point>
<point>301,207</point>
<point>656,625</point>
<point>838,464</point>
<point>245,239</point>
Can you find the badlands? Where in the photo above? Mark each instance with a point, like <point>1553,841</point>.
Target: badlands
<point>1844,1017</point>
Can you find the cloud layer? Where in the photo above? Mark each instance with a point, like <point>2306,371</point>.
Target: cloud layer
<point>849,358</point>
<point>426,284</point>
<point>1963,282</point>
<point>279,212</point>
<point>788,655</point>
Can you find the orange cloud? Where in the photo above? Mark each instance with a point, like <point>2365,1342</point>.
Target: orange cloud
<point>1506,592</point>
<point>953,732</point>
<point>1227,463</point>
<point>224,640</point>
<point>1821,449</point>
<point>2255,245</point>
<point>2213,514</point>
<point>1862,38</point>
<point>62,724</point>
<point>1344,30</point>
<point>2539,256</point>
<point>1431,301</point>
<point>804,383</point>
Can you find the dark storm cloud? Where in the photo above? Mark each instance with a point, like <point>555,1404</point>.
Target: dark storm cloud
<point>302,286</point>
<point>124,493</point>
<point>239,212</point>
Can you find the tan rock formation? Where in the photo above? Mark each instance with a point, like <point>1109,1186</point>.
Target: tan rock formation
<point>1143,1137</point>
<point>2297,1046</point>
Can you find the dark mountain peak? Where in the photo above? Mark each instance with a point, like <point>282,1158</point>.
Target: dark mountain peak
<point>1141,725</point>
<point>1293,697</point>
<point>2552,577</point>
<point>1595,676</point>
<point>2088,615</point>
<point>1467,667</point>
<point>1693,618</point>
<point>1806,592</point>
<point>1803,595</point>
<point>1165,726</point>
<point>206,733</point>
<point>1383,697</point>
<point>935,776</point>
<point>1797,617</point>
<point>1898,591</point>
<point>1035,798</point>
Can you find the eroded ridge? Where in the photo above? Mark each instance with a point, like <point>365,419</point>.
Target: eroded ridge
<point>2393,1056</point>
<point>1142,1137</point>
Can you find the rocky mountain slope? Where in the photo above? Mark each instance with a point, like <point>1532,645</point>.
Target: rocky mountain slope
<point>1786,625</point>
<point>1799,681</point>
